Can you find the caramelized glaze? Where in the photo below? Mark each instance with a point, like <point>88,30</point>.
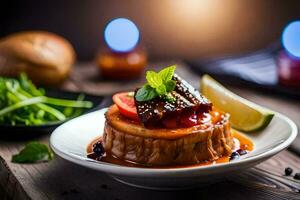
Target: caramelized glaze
<point>187,101</point>
<point>121,123</point>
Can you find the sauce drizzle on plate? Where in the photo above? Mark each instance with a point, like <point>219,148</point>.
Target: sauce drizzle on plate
<point>241,142</point>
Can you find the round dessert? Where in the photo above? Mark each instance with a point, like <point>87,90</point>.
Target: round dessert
<point>131,141</point>
<point>165,123</point>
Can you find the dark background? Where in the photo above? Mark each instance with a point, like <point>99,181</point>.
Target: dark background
<point>170,28</point>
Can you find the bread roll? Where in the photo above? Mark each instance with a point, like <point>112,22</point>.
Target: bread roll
<point>45,57</point>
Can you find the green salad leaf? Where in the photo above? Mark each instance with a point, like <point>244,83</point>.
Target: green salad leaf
<point>32,153</point>
<point>158,84</point>
<point>21,102</point>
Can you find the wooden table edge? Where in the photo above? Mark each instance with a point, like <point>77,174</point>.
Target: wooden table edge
<point>10,190</point>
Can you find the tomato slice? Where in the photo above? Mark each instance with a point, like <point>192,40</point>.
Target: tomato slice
<point>126,105</point>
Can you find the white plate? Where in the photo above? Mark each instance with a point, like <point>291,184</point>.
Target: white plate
<point>70,141</point>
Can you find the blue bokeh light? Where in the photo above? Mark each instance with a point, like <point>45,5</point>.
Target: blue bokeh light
<point>291,38</point>
<point>121,35</point>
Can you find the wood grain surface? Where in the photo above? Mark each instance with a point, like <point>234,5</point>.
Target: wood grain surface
<point>60,179</point>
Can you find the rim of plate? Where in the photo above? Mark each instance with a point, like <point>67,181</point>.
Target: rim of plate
<point>136,171</point>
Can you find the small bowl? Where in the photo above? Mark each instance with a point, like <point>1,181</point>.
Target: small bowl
<point>22,131</point>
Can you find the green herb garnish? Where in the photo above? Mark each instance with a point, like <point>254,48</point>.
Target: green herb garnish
<point>22,103</point>
<point>32,153</point>
<point>158,84</point>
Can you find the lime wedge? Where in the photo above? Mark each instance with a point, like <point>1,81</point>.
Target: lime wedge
<point>244,115</point>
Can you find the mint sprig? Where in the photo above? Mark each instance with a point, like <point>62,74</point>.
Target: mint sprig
<point>33,152</point>
<point>158,84</point>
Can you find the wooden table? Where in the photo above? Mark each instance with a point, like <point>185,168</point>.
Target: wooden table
<point>60,179</point>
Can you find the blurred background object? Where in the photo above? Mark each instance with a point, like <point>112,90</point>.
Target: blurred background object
<point>172,28</point>
<point>235,39</point>
<point>289,59</point>
<point>121,35</point>
<point>45,57</point>
<point>275,68</point>
<point>291,38</point>
<point>122,56</point>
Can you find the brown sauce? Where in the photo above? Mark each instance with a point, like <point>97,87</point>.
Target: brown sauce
<point>240,141</point>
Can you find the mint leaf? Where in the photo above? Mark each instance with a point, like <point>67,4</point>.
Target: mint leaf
<point>153,79</point>
<point>145,93</point>
<point>170,85</point>
<point>33,152</point>
<point>169,98</point>
<point>167,73</point>
<point>161,90</point>
<point>159,84</point>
